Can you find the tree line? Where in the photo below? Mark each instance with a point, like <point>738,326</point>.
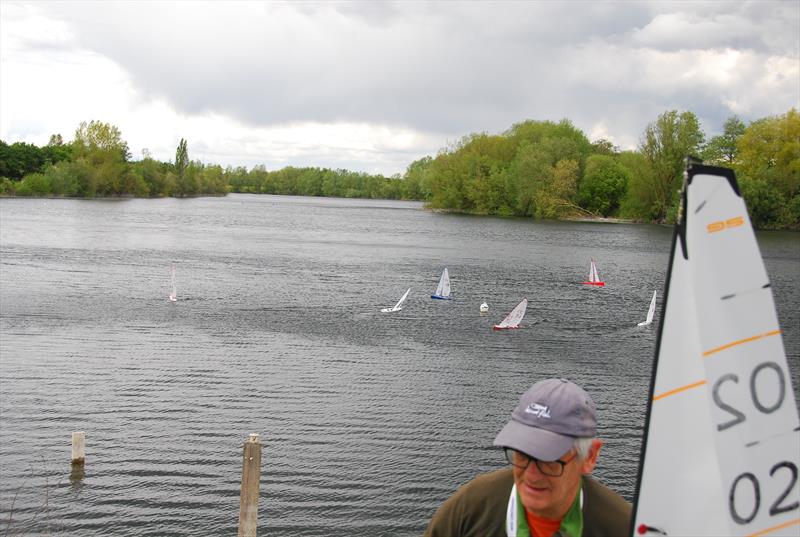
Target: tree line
<point>540,169</point>
<point>97,163</point>
<point>550,169</point>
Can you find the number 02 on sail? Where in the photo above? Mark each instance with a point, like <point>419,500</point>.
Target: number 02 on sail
<point>722,443</point>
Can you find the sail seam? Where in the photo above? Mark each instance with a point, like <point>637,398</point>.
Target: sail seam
<point>741,342</point>
<point>678,390</point>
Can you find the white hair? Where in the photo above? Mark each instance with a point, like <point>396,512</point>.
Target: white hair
<point>582,447</point>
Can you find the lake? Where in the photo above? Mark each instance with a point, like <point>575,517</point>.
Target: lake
<point>368,420</point>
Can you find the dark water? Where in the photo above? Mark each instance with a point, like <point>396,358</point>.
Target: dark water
<point>368,420</point>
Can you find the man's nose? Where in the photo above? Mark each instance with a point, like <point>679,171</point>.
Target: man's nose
<point>533,470</point>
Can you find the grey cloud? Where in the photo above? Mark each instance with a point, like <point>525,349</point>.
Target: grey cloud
<point>448,68</point>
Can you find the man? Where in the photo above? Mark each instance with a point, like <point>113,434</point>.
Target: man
<point>551,446</point>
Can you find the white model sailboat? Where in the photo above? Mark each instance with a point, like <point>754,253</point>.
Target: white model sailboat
<point>722,442</point>
<point>173,296</point>
<point>594,277</point>
<point>513,319</point>
<point>650,312</point>
<point>399,305</point>
<point>443,289</point>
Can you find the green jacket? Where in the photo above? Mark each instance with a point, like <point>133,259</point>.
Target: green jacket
<point>478,509</point>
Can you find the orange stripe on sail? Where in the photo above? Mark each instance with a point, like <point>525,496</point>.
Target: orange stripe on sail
<point>741,342</point>
<point>776,528</point>
<point>678,390</point>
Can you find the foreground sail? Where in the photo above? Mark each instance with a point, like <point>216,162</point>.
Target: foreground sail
<point>443,289</point>
<point>399,305</point>
<point>513,319</point>
<point>722,443</point>
<point>594,277</point>
<point>650,312</point>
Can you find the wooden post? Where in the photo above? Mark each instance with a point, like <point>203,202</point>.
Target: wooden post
<point>251,473</point>
<point>78,448</point>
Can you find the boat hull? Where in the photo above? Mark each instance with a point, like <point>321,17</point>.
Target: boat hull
<point>437,297</point>
<point>596,284</point>
<point>498,327</point>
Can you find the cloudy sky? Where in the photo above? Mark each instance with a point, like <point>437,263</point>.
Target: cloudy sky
<point>374,86</point>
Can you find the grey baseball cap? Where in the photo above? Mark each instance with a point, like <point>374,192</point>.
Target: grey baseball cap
<point>550,415</point>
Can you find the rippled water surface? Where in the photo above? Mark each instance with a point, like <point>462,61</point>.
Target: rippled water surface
<point>368,420</point>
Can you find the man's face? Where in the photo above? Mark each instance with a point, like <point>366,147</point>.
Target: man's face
<point>550,497</point>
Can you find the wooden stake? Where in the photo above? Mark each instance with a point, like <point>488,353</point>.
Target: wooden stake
<point>251,473</point>
<point>78,448</point>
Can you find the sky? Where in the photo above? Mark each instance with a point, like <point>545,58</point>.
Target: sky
<point>374,86</point>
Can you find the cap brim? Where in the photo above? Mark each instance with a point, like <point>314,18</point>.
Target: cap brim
<point>540,443</point>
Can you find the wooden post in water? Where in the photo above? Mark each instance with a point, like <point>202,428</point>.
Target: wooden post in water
<point>78,457</point>
<point>251,473</point>
<point>78,448</point>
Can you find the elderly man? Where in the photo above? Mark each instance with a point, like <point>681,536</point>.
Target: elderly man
<point>551,446</point>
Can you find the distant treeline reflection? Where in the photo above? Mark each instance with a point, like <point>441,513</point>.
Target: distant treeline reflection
<point>540,169</point>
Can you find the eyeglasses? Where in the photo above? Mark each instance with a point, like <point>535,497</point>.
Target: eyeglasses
<point>549,468</point>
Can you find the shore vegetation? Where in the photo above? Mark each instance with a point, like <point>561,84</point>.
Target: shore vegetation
<point>540,169</point>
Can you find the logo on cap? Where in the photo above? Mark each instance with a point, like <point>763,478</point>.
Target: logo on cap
<point>538,410</point>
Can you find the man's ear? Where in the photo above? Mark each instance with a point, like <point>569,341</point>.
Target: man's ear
<point>588,464</point>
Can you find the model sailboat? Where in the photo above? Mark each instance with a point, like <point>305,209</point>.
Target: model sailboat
<point>722,441</point>
<point>443,289</point>
<point>594,277</point>
<point>399,305</point>
<point>173,296</point>
<point>513,319</point>
<point>650,312</point>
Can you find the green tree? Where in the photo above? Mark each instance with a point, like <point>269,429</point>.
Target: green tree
<point>667,141</point>
<point>181,160</point>
<point>416,181</point>
<point>639,202</point>
<point>721,150</point>
<point>604,184</point>
<point>604,147</point>
<point>765,204</point>
<point>769,151</point>
<point>101,155</point>
<point>97,136</point>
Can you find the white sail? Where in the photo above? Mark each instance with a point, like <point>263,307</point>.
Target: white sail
<point>594,276</point>
<point>443,289</point>
<point>513,319</point>
<point>650,312</point>
<point>399,305</point>
<point>173,296</point>
<point>722,442</point>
